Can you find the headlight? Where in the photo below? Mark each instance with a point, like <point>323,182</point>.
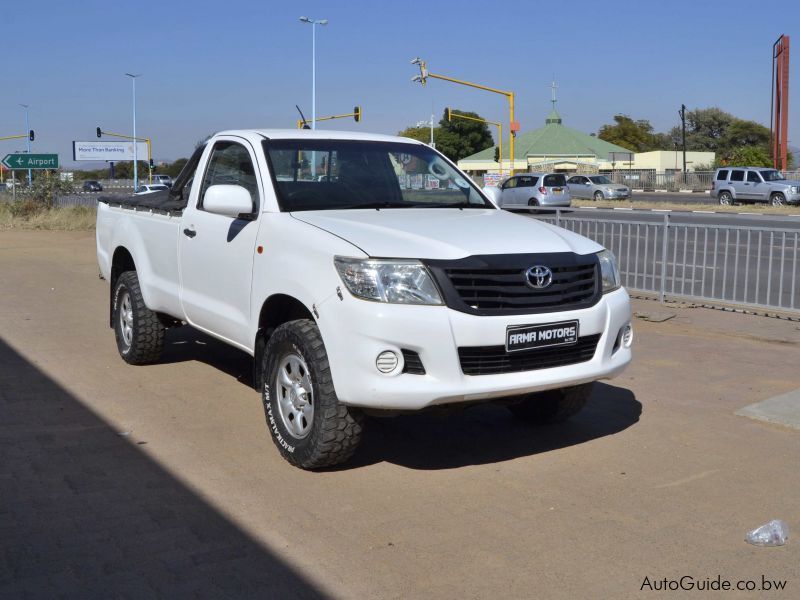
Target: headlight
<point>796,189</point>
<point>385,280</point>
<point>608,271</point>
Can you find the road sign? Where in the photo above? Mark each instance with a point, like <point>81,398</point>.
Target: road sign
<point>31,161</point>
<point>116,151</point>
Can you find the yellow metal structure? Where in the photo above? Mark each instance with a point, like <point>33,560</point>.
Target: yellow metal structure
<point>356,114</point>
<point>513,125</point>
<point>451,115</point>
<point>138,139</point>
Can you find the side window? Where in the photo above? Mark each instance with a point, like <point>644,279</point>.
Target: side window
<point>722,175</point>
<point>574,179</point>
<point>230,164</point>
<point>753,177</point>
<point>525,182</point>
<point>510,184</point>
<point>737,175</point>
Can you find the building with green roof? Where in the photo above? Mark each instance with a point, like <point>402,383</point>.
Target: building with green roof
<point>553,147</point>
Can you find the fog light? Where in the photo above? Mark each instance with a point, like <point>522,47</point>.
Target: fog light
<point>627,335</point>
<point>387,361</point>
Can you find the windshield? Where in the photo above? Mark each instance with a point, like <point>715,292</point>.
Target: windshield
<point>772,175</point>
<point>600,179</point>
<point>344,174</point>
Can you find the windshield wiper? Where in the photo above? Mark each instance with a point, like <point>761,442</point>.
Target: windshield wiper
<point>447,205</point>
<point>376,205</point>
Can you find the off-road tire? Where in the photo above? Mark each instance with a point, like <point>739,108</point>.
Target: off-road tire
<point>552,406</point>
<point>147,331</point>
<point>777,199</point>
<point>598,196</point>
<point>336,429</point>
<point>725,199</point>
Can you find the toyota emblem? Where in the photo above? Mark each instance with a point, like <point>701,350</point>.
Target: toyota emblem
<point>539,277</point>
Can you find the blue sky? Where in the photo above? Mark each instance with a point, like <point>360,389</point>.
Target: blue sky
<point>217,65</point>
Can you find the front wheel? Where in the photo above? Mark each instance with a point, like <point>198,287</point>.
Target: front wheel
<point>777,200</point>
<point>309,426</point>
<point>552,406</point>
<point>139,331</point>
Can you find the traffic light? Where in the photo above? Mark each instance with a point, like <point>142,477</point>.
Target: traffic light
<point>99,132</point>
<point>152,165</point>
<point>357,114</point>
<point>31,135</point>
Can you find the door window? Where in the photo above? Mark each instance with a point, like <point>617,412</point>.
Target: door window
<point>510,184</point>
<point>737,175</point>
<point>722,175</point>
<point>525,182</point>
<point>753,177</point>
<point>230,164</point>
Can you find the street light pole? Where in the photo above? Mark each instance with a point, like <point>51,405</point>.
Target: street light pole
<point>135,144</point>
<point>27,129</point>
<point>313,23</point>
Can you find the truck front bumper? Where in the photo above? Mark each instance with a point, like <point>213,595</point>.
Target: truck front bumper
<point>355,332</point>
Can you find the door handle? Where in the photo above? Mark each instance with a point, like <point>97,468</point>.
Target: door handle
<point>189,232</point>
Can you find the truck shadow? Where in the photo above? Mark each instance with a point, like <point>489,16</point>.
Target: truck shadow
<point>482,434</point>
<point>489,433</point>
<point>86,513</point>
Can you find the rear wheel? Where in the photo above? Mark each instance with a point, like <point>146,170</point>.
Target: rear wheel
<point>777,200</point>
<point>725,198</point>
<point>309,426</point>
<point>598,195</point>
<point>139,331</point>
<point>552,406</point>
<point>533,202</point>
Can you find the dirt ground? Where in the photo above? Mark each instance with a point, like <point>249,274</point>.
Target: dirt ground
<point>121,481</point>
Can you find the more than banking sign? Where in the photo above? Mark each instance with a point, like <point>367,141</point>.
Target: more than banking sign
<point>107,151</point>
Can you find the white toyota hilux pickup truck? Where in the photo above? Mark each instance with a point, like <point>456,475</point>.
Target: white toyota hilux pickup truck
<point>363,273</point>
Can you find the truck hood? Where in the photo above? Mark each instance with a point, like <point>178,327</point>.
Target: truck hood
<point>445,233</point>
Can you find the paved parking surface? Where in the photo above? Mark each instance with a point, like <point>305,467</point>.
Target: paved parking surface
<point>120,481</point>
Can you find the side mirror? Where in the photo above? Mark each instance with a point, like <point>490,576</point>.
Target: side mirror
<point>228,200</point>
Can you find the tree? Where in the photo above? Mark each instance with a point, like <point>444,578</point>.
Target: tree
<point>634,135</point>
<point>421,134</point>
<point>459,138</point>
<point>752,156</point>
<point>455,139</point>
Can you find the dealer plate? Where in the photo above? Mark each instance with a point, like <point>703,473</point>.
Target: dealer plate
<point>526,337</point>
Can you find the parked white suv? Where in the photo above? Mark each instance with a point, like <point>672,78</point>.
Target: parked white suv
<point>754,184</point>
<point>362,272</point>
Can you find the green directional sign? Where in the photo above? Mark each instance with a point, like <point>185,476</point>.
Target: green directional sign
<point>31,161</point>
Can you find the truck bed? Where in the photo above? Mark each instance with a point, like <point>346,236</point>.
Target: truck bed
<point>157,202</point>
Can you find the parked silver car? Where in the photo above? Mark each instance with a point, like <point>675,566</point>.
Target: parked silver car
<point>597,187</point>
<point>754,184</point>
<point>531,189</point>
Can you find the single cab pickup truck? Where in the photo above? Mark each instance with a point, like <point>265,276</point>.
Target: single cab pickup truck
<point>363,273</point>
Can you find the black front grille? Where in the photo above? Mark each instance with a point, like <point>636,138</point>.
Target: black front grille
<point>492,360</point>
<point>497,285</point>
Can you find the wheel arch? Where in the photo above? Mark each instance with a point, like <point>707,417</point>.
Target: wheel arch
<point>121,261</point>
<point>275,311</point>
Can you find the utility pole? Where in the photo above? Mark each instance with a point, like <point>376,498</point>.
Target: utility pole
<point>135,145</point>
<point>682,113</point>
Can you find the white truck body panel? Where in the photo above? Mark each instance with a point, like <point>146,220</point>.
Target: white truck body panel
<point>218,281</point>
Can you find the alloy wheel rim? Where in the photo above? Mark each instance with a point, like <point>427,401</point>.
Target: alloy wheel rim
<point>126,318</point>
<point>295,395</point>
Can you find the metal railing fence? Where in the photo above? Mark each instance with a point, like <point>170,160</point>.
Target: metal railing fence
<point>727,264</point>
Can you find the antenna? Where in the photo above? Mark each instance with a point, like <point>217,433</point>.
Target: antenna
<point>302,117</point>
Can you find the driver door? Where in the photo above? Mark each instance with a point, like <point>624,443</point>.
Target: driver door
<point>216,252</point>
